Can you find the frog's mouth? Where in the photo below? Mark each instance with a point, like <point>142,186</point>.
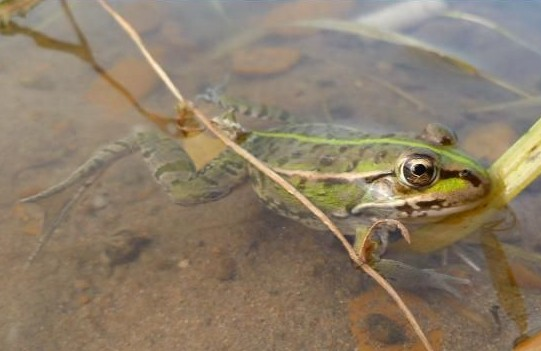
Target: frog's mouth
<point>401,208</point>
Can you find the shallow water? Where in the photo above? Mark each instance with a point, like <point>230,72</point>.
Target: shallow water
<point>231,275</point>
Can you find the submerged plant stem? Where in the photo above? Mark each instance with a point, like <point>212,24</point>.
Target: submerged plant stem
<point>392,37</point>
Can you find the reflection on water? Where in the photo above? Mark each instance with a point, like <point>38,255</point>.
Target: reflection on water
<point>129,270</point>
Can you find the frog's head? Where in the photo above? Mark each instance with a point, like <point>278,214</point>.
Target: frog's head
<point>431,178</point>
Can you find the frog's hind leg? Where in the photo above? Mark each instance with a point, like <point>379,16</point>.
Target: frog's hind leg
<point>170,164</point>
<point>99,161</point>
<point>175,171</point>
<point>240,107</point>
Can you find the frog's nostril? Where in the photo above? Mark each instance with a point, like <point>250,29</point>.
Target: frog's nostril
<point>465,173</point>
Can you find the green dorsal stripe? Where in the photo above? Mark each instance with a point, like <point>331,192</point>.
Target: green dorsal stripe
<point>452,154</point>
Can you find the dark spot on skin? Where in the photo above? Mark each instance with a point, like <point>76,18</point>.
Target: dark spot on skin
<point>392,135</point>
<point>283,208</point>
<point>361,151</point>
<point>263,111</point>
<point>380,156</point>
<point>465,174</point>
<point>282,161</point>
<point>316,147</point>
<point>208,180</point>
<point>302,184</point>
<point>352,165</point>
<point>272,149</point>
<point>265,202</point>
<point>430,203</point>
<point>230,167</point>
<point>213,195</point>
<point>406,208</point>
<point>262,179</point>
<point>296,154</point>
<point>377,176</point>
<point>334,181</point>
<point>257,141</point>
<point>283,116</point>
<point>326,160</point>
<point>229,170</point>
<point>291,142</point>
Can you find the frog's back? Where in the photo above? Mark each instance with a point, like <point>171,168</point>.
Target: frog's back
<point>322,148</point>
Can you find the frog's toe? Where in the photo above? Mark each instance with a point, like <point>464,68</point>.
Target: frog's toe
<point>445,282</point>
<point>412,278</point>
<point>371,243</point>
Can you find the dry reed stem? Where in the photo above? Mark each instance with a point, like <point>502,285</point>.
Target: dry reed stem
<point>184,105</point>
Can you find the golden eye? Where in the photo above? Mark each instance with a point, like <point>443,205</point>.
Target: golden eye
<point>418,170</point>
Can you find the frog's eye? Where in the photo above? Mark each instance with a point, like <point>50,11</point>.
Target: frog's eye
<point>438,134</point>
<point>418,170</point>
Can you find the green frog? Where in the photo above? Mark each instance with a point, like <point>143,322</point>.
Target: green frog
<point>355,178</point>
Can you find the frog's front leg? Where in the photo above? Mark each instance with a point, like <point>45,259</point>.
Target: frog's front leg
<point>371,243</point>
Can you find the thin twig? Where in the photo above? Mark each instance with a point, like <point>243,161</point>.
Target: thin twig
<point>271,174</point>
<point>139,42</point>
<point>402,93</point>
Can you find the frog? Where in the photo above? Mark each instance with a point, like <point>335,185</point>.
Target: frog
<point>358,179</point>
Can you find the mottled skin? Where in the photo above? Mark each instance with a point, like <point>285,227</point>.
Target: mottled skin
<point>343,169</point>
<point>337,168</point>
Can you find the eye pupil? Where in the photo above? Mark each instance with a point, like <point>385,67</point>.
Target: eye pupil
<point>418,169</point>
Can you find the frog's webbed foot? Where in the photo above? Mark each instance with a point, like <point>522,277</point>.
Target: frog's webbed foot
<point>214,94</point>
<point>370,245</point>
<point>56,209</point>
<point>100,160</point>
<point>410,277</point>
